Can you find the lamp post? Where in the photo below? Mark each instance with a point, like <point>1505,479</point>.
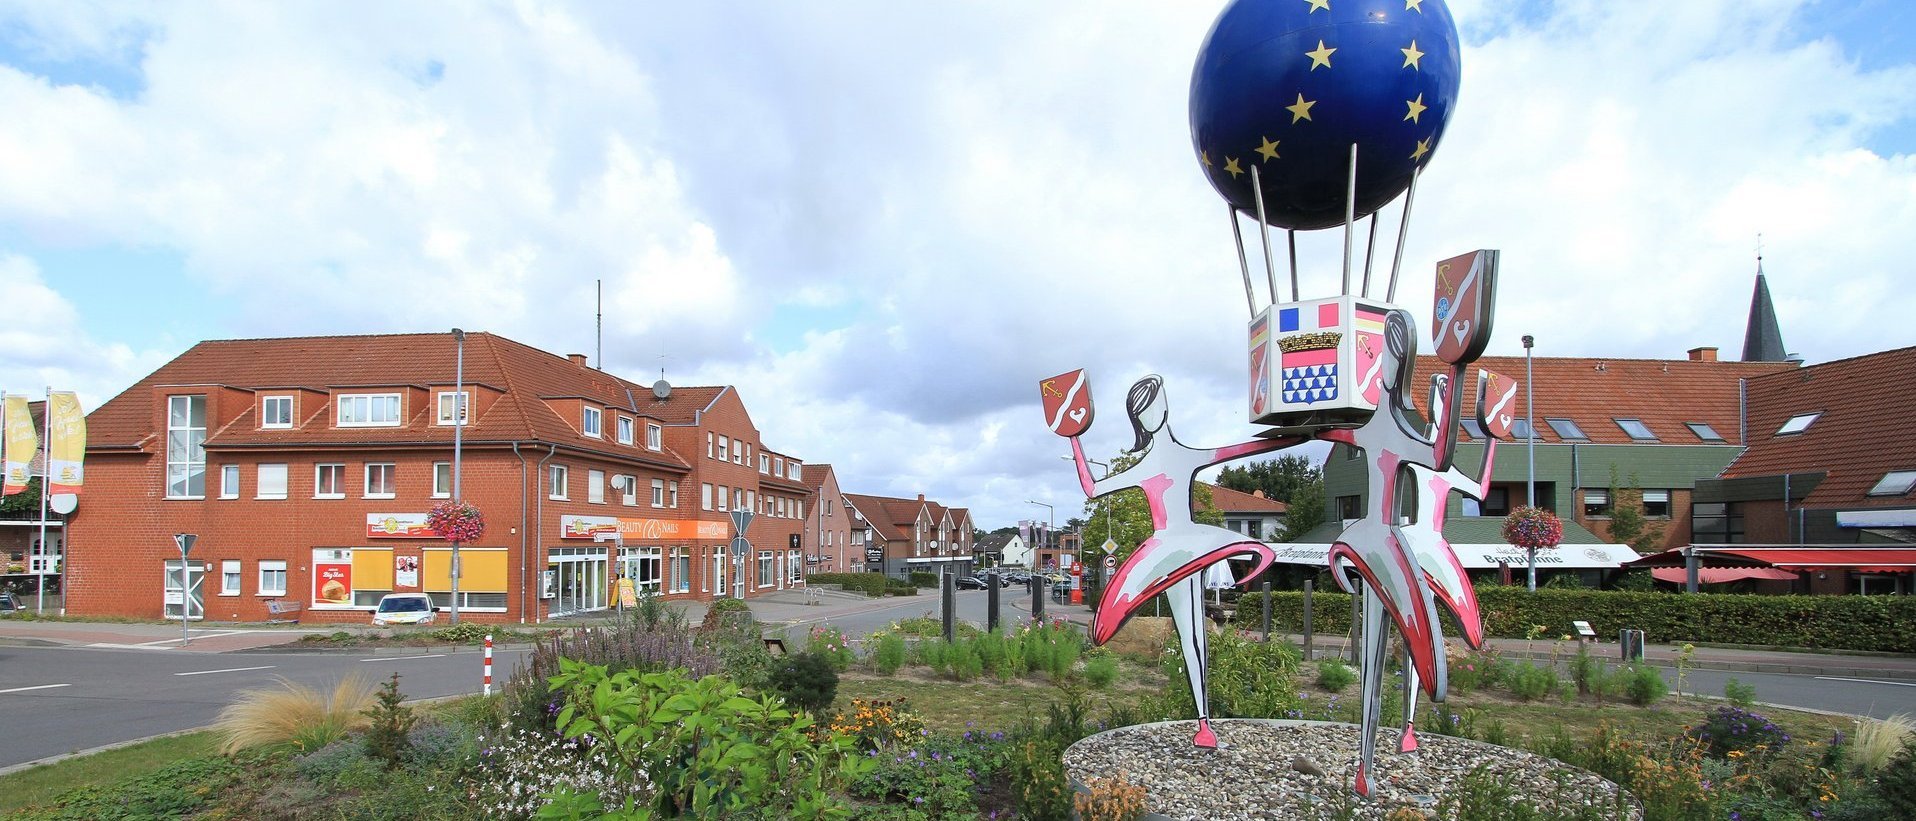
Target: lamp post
<point>1530,444</point>
<point>1108,534</point>
<point>458,439</point>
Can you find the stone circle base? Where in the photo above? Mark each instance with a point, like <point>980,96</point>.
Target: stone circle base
<point>1250,775</point>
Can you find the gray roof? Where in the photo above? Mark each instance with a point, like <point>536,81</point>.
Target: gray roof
<point>1763,339</point>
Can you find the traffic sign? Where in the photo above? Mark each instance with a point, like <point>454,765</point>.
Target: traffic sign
<point>184,541</point>
<point>741,519</point>
<point>1110,547</point>
<point>1110,563</point>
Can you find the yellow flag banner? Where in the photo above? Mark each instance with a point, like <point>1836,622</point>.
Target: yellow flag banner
<point>66,450</point>
<point>21,442</point>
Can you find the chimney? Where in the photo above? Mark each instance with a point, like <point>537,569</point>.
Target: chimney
<point>1259,493</point>
<point>921,497</point>
<point>1703,354</point>
<point>577,359</point>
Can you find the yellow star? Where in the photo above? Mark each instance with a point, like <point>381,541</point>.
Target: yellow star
<point>1301,110</point>
<point>1417,5</point>
<point>1268,149</point>
<point>1326,5</point>
<point>1423,147</point>
<point>1416,108</point>
<point>1205,157</point>
<point>1320,57</point>
<point>1230,167</point>
<point>1413,57</point>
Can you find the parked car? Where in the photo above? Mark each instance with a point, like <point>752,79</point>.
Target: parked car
<point>8,604</point>
<point>404,608</point>
<point>970,583</point>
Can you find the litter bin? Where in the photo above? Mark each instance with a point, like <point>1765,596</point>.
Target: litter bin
<point>1632,643</point>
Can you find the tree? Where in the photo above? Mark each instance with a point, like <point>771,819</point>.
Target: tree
<point>1129,514</point>
<point>1627,522</point>
<point>1306,511</point>
<point>26,501</point>
<point>1280,478</point>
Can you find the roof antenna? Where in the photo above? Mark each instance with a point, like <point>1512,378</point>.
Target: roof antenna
<point>661,389</point>
<point>598,334</point>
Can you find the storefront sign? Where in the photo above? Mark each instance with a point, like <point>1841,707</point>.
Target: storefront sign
<point>874,555</point>
<point>588,527</point>
<point>333,583</point>
<point>398,526</point>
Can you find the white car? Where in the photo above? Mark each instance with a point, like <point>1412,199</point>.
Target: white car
<point>403,608</point>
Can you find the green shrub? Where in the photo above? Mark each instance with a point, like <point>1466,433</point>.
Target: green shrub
<point>387,734</point>
<point>806,681</point>
<point>889,654</point>
<point>1333,676</point>
<point>1885,623</point>
<point>830,642</point>
<point>342,764</point>
<point>1738,693</point>
<point>1531,682</point>
<point>1645,685</point>
<point>464,632</point>
<point>922,579</point>
<point>1100,669</point>
<point>1732,729</point>
<point>619,646</point>
<point>1038,783</point>
<point>1896,783</point>
<point>870,584</point>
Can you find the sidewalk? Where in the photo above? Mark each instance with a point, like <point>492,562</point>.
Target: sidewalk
<point>1734,659</point>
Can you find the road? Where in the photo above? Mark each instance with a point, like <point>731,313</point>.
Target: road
<point>971,607</point>
<point>56,700</point>
<point>1840,694</point>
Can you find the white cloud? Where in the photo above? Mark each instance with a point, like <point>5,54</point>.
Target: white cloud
<point>47,348</point>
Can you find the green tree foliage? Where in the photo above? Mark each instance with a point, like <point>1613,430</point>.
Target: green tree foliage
<point>1280,478</point>
<point>1627,522</point>
<point>24,502</point>
<point>1129,514</point>
<point>1307,511</point>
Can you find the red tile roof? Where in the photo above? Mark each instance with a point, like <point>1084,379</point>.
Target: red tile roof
<point>1662,393</point>
<point>1226,500</point>
<point>1867,427</point>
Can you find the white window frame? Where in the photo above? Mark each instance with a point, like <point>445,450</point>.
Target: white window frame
<point>338,469</point>
<point>266,414</point>
<point>557,476</point>
<point>794,471</point>
<point>681,570</point>
<point>442,413</point>
<point>1893,483</point>
<point>1659,496</point>
<point>229,481</point>
<point>741,451</point>
<point>654,436</point>
<point>672,493</point>
<point>626,426</point>
<point>724,448</point>
<point>437,492</point>
<point>778,466</point>
<point>272,566</point>
<point>794,566</point>
<point>392,480</point>
<point>705,495</point>
<point>722,497</point>
<point>195,448</point>
<point>262,488</point>
<point>368,416</point>
<point>767,569</point>
<point>708,444</point>
<point>764,462</point>
<point>591,421</point>
<point>595,486</point>
<point>1798,423</point>
<point>658,493</point>
<point>230,572</point>
<point>628,487</point>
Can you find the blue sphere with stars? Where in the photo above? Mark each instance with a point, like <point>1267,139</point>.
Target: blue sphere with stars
<point>1288,86</point>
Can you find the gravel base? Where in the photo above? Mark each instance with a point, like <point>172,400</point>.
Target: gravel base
<point>1250,774</point>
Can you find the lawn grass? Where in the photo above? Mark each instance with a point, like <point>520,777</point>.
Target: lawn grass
<point>41,785</point>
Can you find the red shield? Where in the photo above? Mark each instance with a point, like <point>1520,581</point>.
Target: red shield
<point>1496,403</point>
<point>1465,287</point>
<point>1067,402</point>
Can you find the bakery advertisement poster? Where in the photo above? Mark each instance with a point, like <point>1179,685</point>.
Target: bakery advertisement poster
<point>405,571</point>
<point>333,583</point>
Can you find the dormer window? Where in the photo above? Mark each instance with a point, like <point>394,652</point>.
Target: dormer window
<point>276,412</point>
<point>1798,423</point>
<point>1704,432</point>
<point>361,410</point>
<point>626,426</point>
<point>1637,430</point>
<point>1894,483</point>
<point>654,436</point>
<point>591,422</point>
<point>452,403</point>
<point>1567,429</point>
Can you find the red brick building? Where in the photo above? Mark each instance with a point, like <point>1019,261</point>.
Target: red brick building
<point>828,536</point>
<point>306,467</point>
<point>899,536</point>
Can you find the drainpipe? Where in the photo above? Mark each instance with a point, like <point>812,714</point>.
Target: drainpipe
<point>539,511</point>
<point>524,601</point>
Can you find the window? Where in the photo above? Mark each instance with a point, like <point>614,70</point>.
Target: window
<point>725,449</point>
<point>272,481</point>
<point>272,578</point>
<point>654,436</point>
<point>556,482</point>
<point>276,412</point>
<point>1496,502</point>
<point>794,566</point>
<point>671,494</point>
<point>595,486</point>
<point>1656,504</point>
<point>778,466</point>
<point>1566,429</point>
<point>798,508</point>
<point>764,463</point>
<point>1519,429</point>
<point>741,453</point>
<point>1704,432</point>
<point>379,480</point>
<point>1637,430</point>
<point>590,421</point>
<point>795,471</point>
<point>229,481</point>
<point>723,497</point>
<point>1474,428</point>
<point>1596,503</point>
<point>368,410</point>
<point>1894,483</point>
<point>1798,423</point>
<point>708,444</point>
<point>766,573</point>
<point>230,577</point>
<point>629,485</point>
<point>329,481</point>
<point>1716,523</point>
<point>780,509</point>
<point>1350,507</point>
<point>442,480</point>
<point>681,570</point>
<point>749,500</point>
<point>625,430</point>
<point>705,495</point>
<point>186,447</point>
<point>451,402</point>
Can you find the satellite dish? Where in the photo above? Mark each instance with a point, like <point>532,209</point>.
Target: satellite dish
<point>661,389</point>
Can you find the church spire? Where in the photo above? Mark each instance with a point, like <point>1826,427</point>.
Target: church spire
<point>1763,338</point>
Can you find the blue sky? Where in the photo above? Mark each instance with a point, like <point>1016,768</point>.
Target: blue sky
<point>884,223</point>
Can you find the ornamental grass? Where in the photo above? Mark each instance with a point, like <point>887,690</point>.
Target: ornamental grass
<point>295,715</point>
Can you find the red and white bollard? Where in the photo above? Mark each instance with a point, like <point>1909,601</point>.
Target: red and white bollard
<point>488,664</point>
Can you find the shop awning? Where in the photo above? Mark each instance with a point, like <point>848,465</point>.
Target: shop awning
<point>1490,556</point>
<point>1719,575</point>
<point>1863,559</point>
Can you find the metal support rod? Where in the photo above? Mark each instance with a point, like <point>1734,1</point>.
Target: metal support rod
<point>1350,218</point>
<point>458,437</point>
<point>1266,589</point>
<point>1403,228</point>
<point>991,604</point>
<point>1370,251</point>
<point>1243,264</point>
<point>39,567</point>
<point>1293,237</point>
<point>1307,619</point>
<point>948,602</point>
<point>1264,232</point>
<point>1357,620</point>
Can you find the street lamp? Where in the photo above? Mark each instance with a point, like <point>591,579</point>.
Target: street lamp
<point>458,429</point>
<point>1530,443</point>
<point>1108,533</point>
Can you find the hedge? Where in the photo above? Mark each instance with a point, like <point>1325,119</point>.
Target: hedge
<point>1880,623</point>
<point>923,579</point>
<point>870,584</point>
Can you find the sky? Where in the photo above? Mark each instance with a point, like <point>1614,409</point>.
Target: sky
<point>884,222</point>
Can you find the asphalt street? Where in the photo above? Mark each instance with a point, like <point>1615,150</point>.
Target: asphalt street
<point>1877,698</point>
<point>56,700</point>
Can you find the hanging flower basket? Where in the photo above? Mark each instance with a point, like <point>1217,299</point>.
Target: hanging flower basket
<point>457,522</point>
<point>1533,527</point>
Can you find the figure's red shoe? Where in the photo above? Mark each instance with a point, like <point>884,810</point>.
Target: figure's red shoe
<point>1408,743</point>
<point>1362,782</point>
<point>1205,738</point>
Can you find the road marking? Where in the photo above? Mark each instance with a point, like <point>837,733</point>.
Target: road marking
<point>39,687</point>
<point>407,658</point>
<point>227,670</point>
<point>1867,681</point>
